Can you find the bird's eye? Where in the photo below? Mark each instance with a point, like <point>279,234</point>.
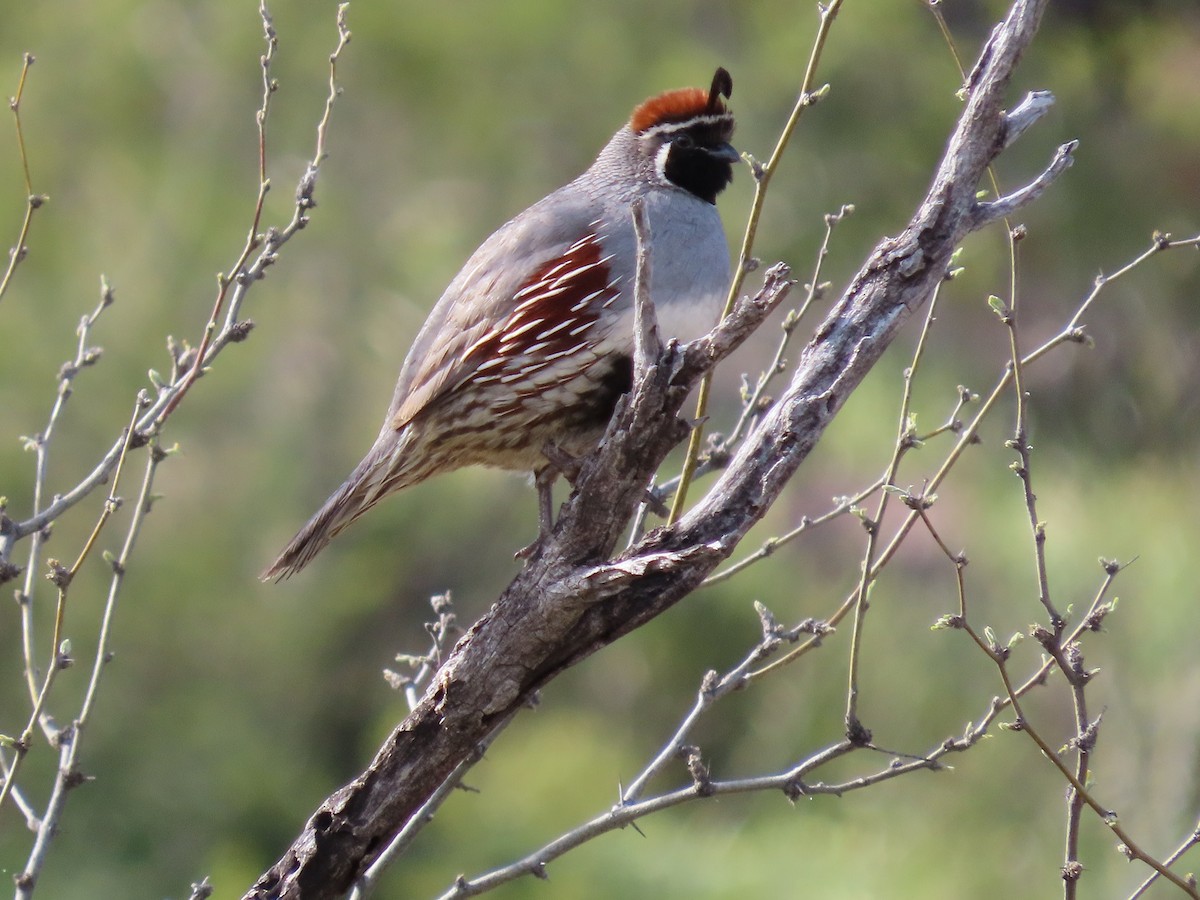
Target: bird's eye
<point>685,141</point>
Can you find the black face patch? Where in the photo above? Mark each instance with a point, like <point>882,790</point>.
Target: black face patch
<point>699,158</point>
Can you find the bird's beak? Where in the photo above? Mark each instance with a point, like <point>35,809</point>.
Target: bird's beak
<point>724,152</point>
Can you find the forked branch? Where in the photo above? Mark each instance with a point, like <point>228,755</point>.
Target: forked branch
<point>572,598</point>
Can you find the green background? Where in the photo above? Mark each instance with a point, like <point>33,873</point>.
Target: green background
<point>233,708</point>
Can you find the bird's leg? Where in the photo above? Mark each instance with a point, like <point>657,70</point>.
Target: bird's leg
<point>561,462</point>
<point>543,480</point>
<point>655,503</point>
<point>558,462</point>
<point>569,466</point>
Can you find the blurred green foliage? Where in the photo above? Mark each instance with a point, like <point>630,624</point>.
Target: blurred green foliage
<point>232,708</point>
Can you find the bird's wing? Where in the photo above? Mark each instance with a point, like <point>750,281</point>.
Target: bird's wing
<point>524,301</point>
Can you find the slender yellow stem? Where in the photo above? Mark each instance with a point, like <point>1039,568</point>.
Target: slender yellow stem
<point>762,178</point>
<point>33,201</point>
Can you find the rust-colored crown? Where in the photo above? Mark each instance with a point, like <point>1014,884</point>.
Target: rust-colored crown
<point>683,104</point>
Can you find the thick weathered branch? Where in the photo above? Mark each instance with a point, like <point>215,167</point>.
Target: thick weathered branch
<point>572,598</point>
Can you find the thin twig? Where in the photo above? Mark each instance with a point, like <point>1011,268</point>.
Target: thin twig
<point>1072,332</point>
<point>715,687</point>
<point>60,657</point>
<point>842,506</point>
<point>753,402</point>
<point>369,880</point>
<point>1188,843</point>
<point>32,822</point>
<point>999,655</point>
<point>70,739</point>
<point>33,202</point>
<point>443,631</point>
<point>233,331</point>
<point>85,356</point>
<point>762,179</point>
<point>1024,450</point>
<point>905,434</point>
<point>253,238</point>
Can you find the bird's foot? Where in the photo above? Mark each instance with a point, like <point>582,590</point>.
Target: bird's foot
<point>562,463</point>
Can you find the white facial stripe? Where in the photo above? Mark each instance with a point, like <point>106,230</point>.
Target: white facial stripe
<point>668,127</point>
<point>660,162</point>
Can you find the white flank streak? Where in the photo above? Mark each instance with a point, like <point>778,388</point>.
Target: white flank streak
<point>533,301</point>
<point>588,299</point>
<point>540,285</point>
<point>479,343</point>
<point>563,324</point>
<point>561,353</point>
<point>574,273</point>
<point>509,336</point>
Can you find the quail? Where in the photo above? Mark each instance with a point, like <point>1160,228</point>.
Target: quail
<point>531,344</point>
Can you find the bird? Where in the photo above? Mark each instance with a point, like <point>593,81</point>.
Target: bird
<point>521,362</point>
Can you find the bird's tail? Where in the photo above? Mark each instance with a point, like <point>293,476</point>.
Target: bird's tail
<point>367,485</point>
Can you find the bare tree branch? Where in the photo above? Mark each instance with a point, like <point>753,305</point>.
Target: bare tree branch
<point>571,600</point>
